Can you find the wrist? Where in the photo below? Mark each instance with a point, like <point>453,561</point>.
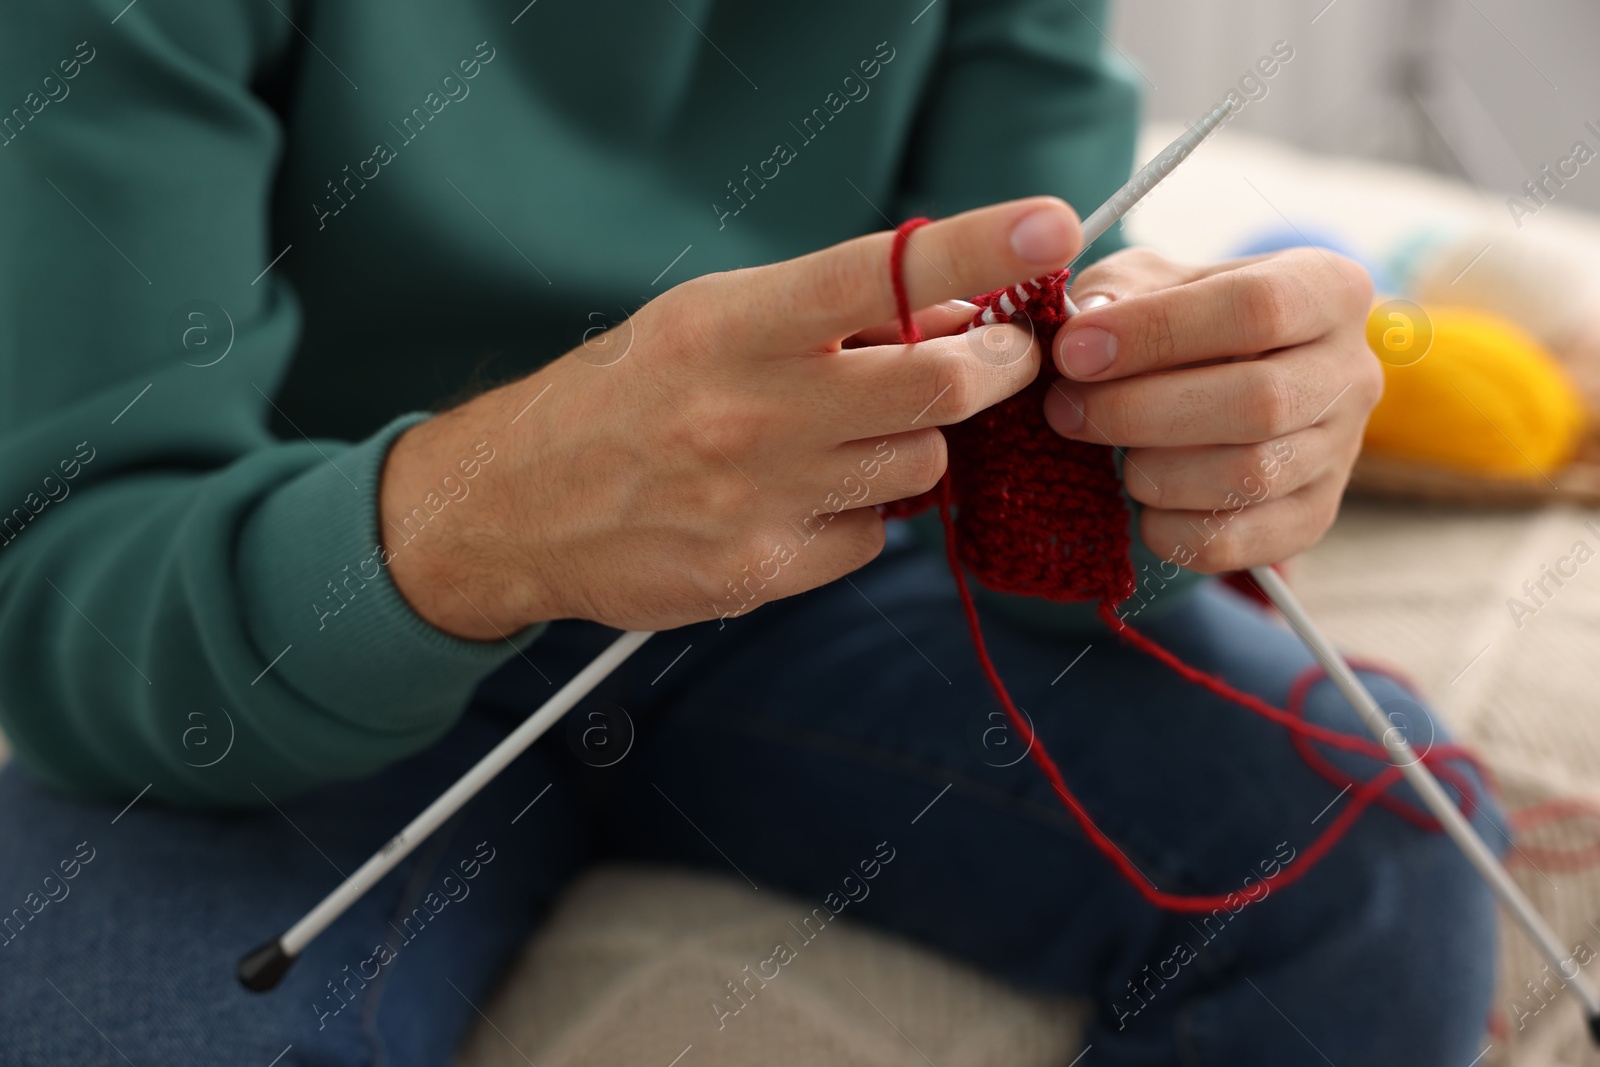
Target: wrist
<point>447,556</point>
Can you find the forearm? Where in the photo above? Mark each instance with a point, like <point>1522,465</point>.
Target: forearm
<point>232,601</point>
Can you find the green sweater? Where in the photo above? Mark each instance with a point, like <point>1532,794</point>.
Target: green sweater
<point>241,254</point>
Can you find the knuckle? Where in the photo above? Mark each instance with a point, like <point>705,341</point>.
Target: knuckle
<point>1269,403</point>
<point>1145,487</point>
<point>957,389</point>
<point>1140,258</point>
<point>1369,382</point>
<point>717,568</point>
<point>751,547</point>
<point>1254,461</point>
<point>1267,306</point>
<point>706,584</point>
<point>853,539</point>
<point>1324,513</point>
<point>749,569</point>
<point>1155,336</point>
<point>864,538</point>
<point>1357,283</point>
<point>1223,553</point>
<point>1121,271</point>
<point>920,461</point>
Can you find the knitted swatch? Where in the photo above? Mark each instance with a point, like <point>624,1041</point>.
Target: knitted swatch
<point>1036,513</point>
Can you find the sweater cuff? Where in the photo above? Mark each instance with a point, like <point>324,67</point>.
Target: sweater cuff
<point>320,599</point>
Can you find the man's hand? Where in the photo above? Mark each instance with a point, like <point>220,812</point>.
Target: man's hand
<point>723,447</point>
<point>1239,390</point>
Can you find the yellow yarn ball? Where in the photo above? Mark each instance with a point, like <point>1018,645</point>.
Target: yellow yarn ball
<point>1482,395</point>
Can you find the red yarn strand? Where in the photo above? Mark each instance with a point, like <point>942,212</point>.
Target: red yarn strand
<point>1556,810</point>
<point>909,334</point>
<point>1175,902</point>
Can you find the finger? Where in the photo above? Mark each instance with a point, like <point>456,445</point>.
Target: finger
<point>863,392</point>
<point>1201,477</point>
<point>1221,539</point>
<point>1228,403</point>
<point>1278,302</point>
<point>1131,272</point>
<point>940,320</point>
<point>1137,270</point>
<point>823,297</point>
<point>860,474</point>
<point>797,555</point>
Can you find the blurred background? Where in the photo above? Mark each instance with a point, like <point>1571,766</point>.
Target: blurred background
<point>1485,90</point>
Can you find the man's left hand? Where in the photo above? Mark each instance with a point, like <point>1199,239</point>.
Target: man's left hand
<point>1239,390</point>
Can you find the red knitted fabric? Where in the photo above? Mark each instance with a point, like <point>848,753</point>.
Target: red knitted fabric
<point>1027,511</point>
<point>1037,513</point>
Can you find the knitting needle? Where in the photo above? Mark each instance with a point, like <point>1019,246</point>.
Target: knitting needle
<point>1148,177</point>
<point>263,967</point>
<point>1416,772</point>
<point>266,964</point>
<point>1432,793</point>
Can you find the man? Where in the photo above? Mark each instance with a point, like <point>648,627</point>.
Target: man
<point>252,584</point>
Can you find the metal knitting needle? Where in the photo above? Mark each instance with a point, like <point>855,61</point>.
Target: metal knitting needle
<point>1148,177</point>
<point>1415,772</point>
<point>1432,793</point>
<point>263,967</point>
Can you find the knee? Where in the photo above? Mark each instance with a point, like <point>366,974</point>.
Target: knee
<point>1409,719</point>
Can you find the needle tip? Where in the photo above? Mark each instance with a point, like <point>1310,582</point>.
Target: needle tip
<point>264,966</point>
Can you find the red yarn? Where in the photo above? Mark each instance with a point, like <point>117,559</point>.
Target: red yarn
<point>1028,511</point>
<point>1558,809</point>
<point>897,277</point>
<point>1241,583</point>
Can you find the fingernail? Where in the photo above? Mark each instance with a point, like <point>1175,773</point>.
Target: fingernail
<point>1087,352</point>
<point>1063,409</point>
<point>1093,300</point>
<point>1042,236</point>
<point>965,306</point>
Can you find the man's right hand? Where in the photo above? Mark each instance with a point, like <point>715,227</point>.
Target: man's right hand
<point>723,447</point>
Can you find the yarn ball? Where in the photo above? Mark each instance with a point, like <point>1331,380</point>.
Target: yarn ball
<point>1535,283</point>
<point>1484,397</point>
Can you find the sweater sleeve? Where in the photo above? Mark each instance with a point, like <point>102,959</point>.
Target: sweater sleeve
<point>1030,97</point>
<point>187,602</point>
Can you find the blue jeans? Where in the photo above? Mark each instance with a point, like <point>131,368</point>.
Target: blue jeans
<point>782,748</point>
